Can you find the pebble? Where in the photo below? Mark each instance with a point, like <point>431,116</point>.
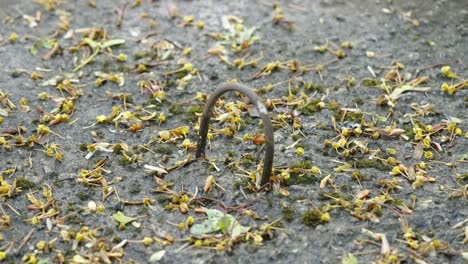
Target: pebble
<point>48,171</point>
<point>65,176</point>
<point>437,221</point>
<point>321,228</point>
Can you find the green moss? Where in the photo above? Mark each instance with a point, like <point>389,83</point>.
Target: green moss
<point>82,196</point>
<point>325,151</point>
<point>294,90</point>
<point>295,137</point>
<point>129,99</point>
<point>25,184</point>
<point>141,55</point>
<point>358,100</point>
<point>299,174</point>
<point>260,91</point>
<point>238,141</point>
<point>176,109</point>
<point>345,188</point>
<point>302,165</point>
<point>298,198</point>
<point>409,132</point>
<point>58,184</point>
<point>15,74</point>
<point>83,147</point>
<point>71,207</point>
<point>312,87</point>
<point>163,150</point>
<point>288,213</point>
<point>356,117</point>
<point>248,160</point>
<point>192,112</point>
<point>367,163</point>
<point>302,179</point>
<point>138,149</point>
<point>162,199</point>
<point>123,68</point>
<point>305,164</point>
<point>249,122</point>
<point>370,82</point>
<point>99,134</point>
<point>105,66</point>
<point>349,116</point>
<point>124,162</point>
<point>396,202</point>
<point>180,75</point>
<point>76,220</point>
<point>323,126</point>
<point>134,188</point>
<point>312,218</point>
<point>239,183</point>
<point>311,108</point>
<point>358,176</point>
<point>323,196</point>
<point>333,105</point>
<point>376,209</point>
<point>143,210</point>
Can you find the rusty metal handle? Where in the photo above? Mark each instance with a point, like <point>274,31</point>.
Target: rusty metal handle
<point>268,128</point>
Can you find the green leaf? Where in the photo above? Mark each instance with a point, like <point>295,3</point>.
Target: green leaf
<point>123,219</point>
<point>217,221</point>
<point>407,88</point>
<point>235,228</point>
<point>208,226</point>
<point>464,255</point>
<point>33,49</point>
<point>464,157</point>
<point>44,261</point>
<point>112,42</point>
<point>47,44</point>
<point>247,35</point>
<point>157,256</point>
<point>349,259</point>
<point>381,118</point>
<point>93,44</point>
<point>213,213</point>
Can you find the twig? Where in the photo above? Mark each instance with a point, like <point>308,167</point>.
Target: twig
<point>25,239</point>
<point>55,50</point>
<point>150,34</point>
<point>268,127</point>
<point>121,13</point>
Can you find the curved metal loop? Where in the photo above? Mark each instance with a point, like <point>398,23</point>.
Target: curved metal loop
<point>268,128</point>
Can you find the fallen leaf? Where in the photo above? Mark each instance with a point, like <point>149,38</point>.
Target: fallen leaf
<point>418,151</point>
<point>258,140</point>
<point>157,256</point>
<point>325,181</point>
<point>209,182</point>
<point>349,259</point>
<point>218,221</point>
<point>123,219</point>
<point>154,169</point>
<point>363,194</point>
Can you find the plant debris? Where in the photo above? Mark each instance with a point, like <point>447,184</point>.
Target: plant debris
<point>107,109</point>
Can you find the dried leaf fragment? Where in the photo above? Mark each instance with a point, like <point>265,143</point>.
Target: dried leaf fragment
<point>154,169</point>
